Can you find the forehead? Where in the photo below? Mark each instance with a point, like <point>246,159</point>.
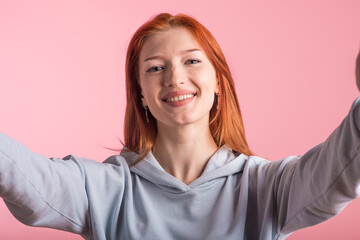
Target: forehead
<point>174,40</point>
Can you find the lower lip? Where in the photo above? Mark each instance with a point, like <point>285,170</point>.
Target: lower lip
<point>180,103</point>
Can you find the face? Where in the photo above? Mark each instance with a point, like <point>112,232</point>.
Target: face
<point>177,80</point>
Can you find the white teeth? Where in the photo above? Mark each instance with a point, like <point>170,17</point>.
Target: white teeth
<point>179,98</point>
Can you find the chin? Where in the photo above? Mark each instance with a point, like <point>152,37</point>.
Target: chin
<point>189,120</point>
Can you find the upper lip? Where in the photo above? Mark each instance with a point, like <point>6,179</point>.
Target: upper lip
<point>178,93</point>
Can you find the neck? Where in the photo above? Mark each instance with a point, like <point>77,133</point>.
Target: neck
<point>184,151</point>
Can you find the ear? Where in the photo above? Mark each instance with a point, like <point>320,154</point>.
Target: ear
<point>144,104</point>
<point>143,101</point>
<point>217,87</point>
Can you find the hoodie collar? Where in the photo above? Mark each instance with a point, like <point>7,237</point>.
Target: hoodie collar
<point>223,163</point>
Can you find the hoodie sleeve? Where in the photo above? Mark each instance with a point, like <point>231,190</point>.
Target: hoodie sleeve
<point>317,186</point>
<point>40,191</point>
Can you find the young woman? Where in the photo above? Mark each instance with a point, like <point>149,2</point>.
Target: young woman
<point>186,171</point>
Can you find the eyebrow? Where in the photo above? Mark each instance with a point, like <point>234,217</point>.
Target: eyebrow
<point>182,53</point>
<point>190,50</point>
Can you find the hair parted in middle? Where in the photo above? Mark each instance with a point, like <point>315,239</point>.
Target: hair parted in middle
<point>225,122</point>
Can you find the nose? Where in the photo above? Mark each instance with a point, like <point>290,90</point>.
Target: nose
<point>175,76</point>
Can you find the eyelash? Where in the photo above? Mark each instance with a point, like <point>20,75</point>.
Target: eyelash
<point>158,68</point>
<point>191,60</point>
<point>154,69</point>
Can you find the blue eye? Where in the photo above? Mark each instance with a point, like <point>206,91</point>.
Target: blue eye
<point>155,69</point>
<point>192,61</point>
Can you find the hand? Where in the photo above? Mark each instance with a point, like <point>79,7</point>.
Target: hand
<point>357,71</point>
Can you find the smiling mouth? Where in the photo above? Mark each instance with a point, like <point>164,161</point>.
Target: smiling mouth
<point>179,98</point>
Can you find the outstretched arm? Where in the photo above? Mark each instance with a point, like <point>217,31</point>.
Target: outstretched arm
<point>40,191</point>
<point>318,185</point>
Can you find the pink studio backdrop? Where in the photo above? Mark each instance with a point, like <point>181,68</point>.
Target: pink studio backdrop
<point>62,78</point>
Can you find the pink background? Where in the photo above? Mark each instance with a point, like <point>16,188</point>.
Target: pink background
<point>62,78</point>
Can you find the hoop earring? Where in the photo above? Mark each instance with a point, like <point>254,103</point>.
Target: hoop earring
<point>146,114</point>
<point>218,100</point>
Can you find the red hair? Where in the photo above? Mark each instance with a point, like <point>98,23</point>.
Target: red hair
<point>226,125</point>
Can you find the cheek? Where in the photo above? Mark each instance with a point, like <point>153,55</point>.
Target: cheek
<point>145,85</point>
<point>150,92</point>
<point>208,79</point>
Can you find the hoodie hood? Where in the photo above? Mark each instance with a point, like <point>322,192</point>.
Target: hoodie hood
<point>223,163</point>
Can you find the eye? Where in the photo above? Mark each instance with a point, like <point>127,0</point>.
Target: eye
<point>155,69</point>
<point>192,61</point>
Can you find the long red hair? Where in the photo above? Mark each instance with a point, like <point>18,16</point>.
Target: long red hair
<point>226,124</point>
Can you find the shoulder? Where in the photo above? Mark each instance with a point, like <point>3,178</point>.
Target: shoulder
<point>267,169</point>
<point>113,165</point>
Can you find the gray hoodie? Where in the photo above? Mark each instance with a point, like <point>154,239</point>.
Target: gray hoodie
<point>236,197</point>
